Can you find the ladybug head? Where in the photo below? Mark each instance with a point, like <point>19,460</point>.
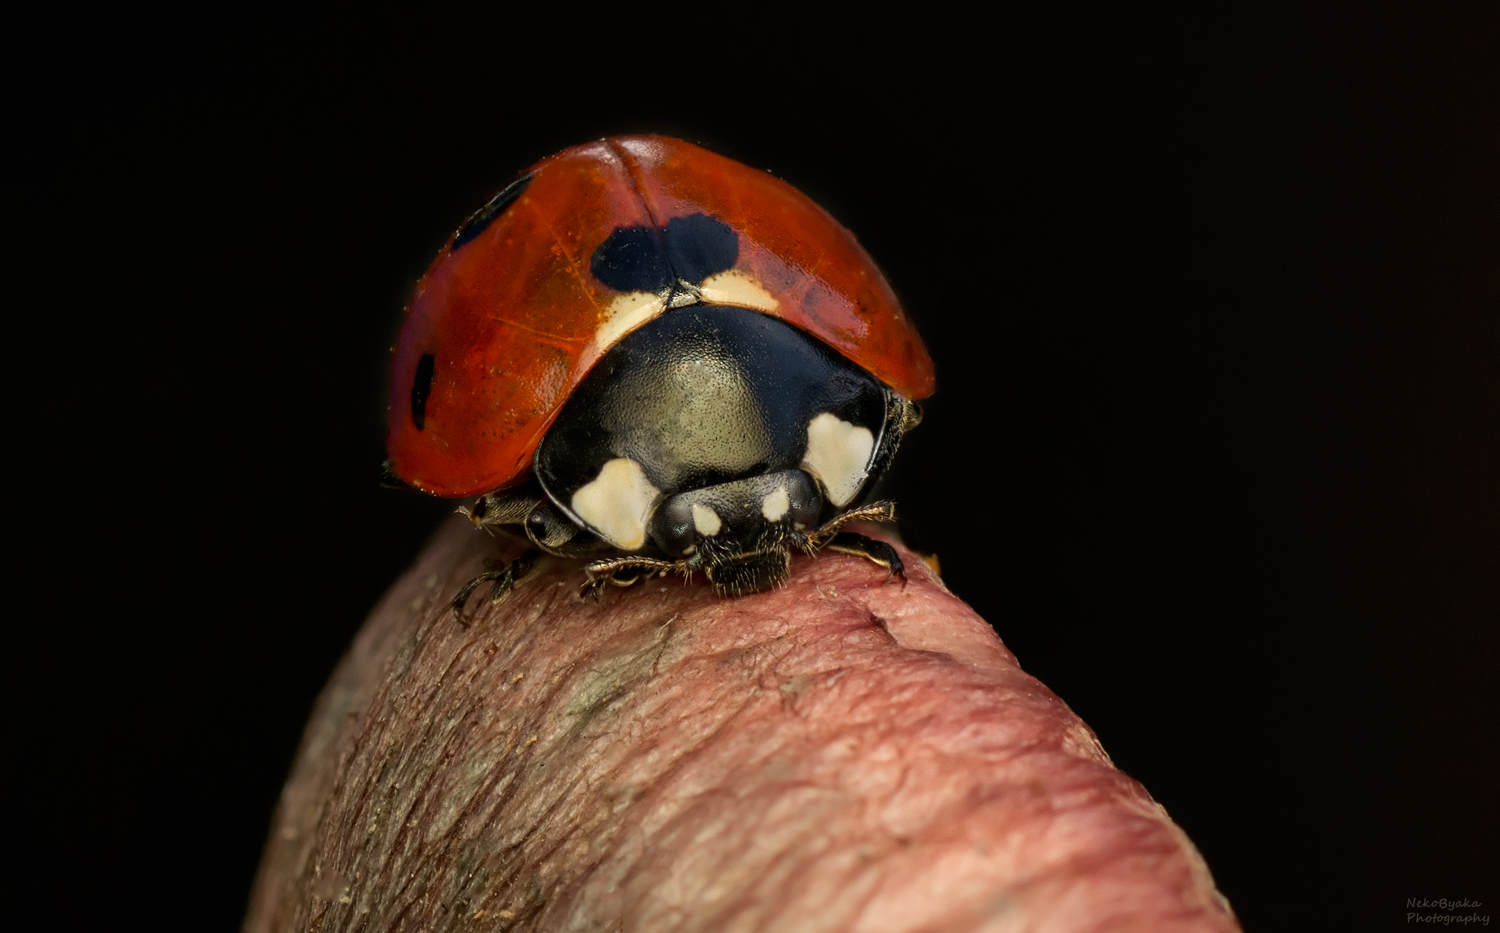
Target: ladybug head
<point>718,436</point>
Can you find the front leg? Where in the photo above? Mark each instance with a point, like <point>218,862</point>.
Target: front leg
<point>877,552</point>
<point>623,571</point>
<point>882,511</point>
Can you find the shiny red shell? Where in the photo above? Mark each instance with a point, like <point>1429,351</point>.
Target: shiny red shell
<point>514,318</point>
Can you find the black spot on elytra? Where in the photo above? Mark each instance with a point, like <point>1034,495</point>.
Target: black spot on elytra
<point>700,246</point>
<point>631,260</point>
<point>420,386</point>
<point>480,220</point>
<point>689,249</point>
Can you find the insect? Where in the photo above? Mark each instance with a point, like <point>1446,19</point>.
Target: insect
<point>657,359</point>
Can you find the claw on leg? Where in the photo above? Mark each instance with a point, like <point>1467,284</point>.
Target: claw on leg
<point>501,579</point>
<point>877,552</point>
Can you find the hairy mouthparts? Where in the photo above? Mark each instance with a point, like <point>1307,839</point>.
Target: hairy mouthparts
<point>833,754</point>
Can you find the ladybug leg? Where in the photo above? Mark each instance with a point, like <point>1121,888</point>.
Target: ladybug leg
<point>548,529</point>
<point>874,512</point>
<point>847,542</point>
<point>389,479</point>
<point>501,579</point>
<point>623,571</point>
<point>556,534</point>
<point>501,508</point>
<point>877,552</point>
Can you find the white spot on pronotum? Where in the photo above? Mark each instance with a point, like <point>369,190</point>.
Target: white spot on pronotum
<point>706,520</point>
<point>775,505</point>
<point>838,453</point>
<point>618,503</point>
<point>736,288</point>
<point>625,314</point>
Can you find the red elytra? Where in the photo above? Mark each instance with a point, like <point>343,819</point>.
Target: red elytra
<point>513,319</point>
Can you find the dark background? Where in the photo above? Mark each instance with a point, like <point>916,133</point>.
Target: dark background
<point>1218,292</point>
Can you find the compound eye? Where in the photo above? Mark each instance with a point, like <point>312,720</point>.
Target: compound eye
<point>672,528</point>
<point>793,499</point>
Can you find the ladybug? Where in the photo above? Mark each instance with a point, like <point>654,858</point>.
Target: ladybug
<point>650,356</point>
